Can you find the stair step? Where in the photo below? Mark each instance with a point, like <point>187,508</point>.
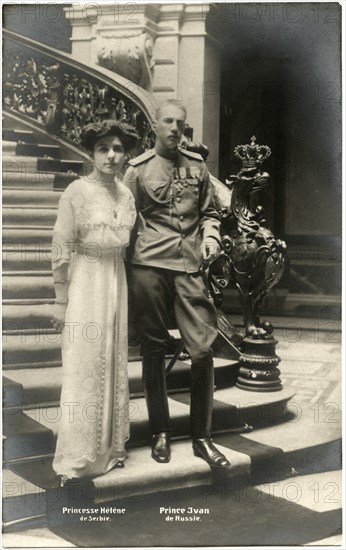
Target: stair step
<point>22,499</point>
<point>36,482</point>
<point>32,164</point>
<point>23,258</point>
<point>9,147</point>
<point>39,386</point>
<point>24,436</point>
<point>14,164</point>
<point>23,286</point>
<point>23,350</point>
<point>12,392</point>
<point>43,385</point>
<point>32,314</point>
<point>232,407</point>
<point>36,150</point>
<point>30,149</point>
<point>184,470</point>
<point>17,135</point>
<point>19,177</point>
<point>28,197</point>
<point>29,215</point>
<point>27,235</point>
<point>253,459</point>
<point>25,317</point>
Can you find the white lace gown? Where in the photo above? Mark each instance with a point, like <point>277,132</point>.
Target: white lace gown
<point>91,233</point>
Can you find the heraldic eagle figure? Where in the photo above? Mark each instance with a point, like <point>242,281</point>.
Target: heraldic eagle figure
<point>257,259</point>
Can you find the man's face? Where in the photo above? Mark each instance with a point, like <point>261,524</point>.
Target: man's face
<point>170,126</point>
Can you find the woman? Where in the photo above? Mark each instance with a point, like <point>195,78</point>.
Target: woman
<point>95,217</point>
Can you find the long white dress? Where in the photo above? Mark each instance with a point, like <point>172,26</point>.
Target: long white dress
<point>91,233</point>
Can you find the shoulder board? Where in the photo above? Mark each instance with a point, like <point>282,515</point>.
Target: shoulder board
<point>142,158</point>
<point>190,154</point>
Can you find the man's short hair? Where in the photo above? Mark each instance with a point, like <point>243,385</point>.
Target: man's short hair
<point>175,102</point>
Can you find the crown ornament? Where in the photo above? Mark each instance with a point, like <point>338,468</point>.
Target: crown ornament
<point>252,154</point>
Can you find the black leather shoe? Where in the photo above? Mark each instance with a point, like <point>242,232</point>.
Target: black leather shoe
<point>161,447</point>
<point>204,448</point>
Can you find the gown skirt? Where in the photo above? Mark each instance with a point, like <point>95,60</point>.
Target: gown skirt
<point>94,405</point>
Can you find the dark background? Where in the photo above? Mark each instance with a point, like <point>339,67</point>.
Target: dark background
<point>281,80</point>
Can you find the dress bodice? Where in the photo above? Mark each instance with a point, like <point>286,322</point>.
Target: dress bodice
<point>93,215</point>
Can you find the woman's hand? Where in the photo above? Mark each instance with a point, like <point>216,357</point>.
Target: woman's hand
<point>58,316</point>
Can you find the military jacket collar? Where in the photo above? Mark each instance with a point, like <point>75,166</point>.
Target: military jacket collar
<point>166,154</point>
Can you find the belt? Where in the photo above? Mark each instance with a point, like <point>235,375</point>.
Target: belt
<point>93,251</point>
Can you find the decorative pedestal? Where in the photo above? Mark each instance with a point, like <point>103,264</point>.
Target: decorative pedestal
<point>258,366</point>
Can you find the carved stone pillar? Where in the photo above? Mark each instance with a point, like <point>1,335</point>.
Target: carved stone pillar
<point>199,72</point>
<point>130,55</point>
<point>166,51</point>
<point>117,36</point>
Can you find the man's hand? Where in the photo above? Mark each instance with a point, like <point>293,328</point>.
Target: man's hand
<point>58,317</point>
<point>210,249</point>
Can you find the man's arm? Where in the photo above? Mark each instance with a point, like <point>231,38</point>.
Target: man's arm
<point>210,220</point>
<point>131,180</point>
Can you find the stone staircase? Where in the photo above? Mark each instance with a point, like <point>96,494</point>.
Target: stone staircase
<point>34,176</point>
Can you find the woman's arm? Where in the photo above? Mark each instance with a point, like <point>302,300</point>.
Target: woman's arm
<point>64,236</point>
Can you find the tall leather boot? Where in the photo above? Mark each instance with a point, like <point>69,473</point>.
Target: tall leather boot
<point>202,391</point>
<point>155,391</point>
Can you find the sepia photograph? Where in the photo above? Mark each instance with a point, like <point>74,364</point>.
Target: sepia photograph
<point>172,274</point>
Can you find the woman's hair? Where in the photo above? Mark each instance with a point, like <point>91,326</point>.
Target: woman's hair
<point>92,132</point>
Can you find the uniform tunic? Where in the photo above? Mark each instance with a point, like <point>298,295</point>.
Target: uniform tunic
<point>175,201</point>
<point>176,211</point>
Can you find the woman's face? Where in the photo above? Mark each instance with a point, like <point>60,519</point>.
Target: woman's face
<point>109,155</point>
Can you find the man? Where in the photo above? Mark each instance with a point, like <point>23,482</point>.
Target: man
<point>177,228</point>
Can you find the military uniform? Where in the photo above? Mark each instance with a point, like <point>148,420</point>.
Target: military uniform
<point>176,209</point>
<point>175,203</point>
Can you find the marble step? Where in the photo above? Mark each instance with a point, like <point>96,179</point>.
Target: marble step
<point>42,386</point>
<point>27,285</point>
<point>25,350</point>
<point>32,164</point>
<point>12,393</point>
<point>21,178</point>
<point>17,135</point>
<point>23,257</point>
<point>25,317</point>
<point>27,235</point>
<point>24,436</point>
<point>28,315</point>
<point>9,147</point>
<point>233,407</point>
<point>29,215</point>
<point>30,488</point>
<point>30,149</point>
<point>30,197</point>
<point>24,502</point>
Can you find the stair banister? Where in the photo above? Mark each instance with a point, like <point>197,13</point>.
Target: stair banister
<point>86,93</point>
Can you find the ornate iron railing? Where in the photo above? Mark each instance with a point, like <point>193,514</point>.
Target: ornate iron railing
<point>63,95</point>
